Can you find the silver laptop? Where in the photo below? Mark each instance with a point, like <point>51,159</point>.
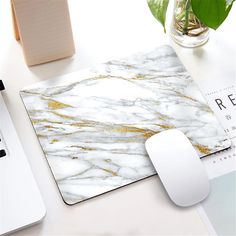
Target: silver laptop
<point>21,204</point>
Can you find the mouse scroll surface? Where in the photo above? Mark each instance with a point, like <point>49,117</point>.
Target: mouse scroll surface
<point>179,167</point>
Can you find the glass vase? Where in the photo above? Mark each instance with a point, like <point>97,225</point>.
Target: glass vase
<point>186,29</point>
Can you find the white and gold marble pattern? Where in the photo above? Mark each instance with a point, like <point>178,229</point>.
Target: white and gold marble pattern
<point>92,124</point>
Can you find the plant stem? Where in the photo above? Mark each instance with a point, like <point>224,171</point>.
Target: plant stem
<point>180,16</point>
<point>187,10</point>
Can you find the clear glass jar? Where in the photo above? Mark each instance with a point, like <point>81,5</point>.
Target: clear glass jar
<point>186,28</point>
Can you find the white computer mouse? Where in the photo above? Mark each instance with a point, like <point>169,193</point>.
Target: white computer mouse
<point>179,167</point>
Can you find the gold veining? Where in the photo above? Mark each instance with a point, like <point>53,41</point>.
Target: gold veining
<point>54,105</point>
<point>166,126</point>
<point>139,77</point>
<point>203,149</point>
<point>129,129</point>
<point>149,134</point>
<point>35,121</point>
<point>49,127</point>
<point>110,171</point>
<point>185,96</point>
<point>84,148</point>
<point>54,141</point>
<point>83,124</point>
<point>62,115</point>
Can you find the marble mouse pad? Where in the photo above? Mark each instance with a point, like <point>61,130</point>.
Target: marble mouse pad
<point>92,124</point>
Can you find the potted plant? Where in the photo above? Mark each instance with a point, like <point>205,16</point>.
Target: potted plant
<point>192,18</point>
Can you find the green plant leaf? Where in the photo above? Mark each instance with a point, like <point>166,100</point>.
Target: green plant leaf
<point>158,9</point>
<point>212,13</point>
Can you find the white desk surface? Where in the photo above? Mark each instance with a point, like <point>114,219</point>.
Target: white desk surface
<point>103,30</point>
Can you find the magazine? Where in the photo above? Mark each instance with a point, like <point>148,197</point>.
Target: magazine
<point>218,211</point>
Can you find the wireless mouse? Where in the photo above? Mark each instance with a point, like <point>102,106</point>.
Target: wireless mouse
<point>179,167</point>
